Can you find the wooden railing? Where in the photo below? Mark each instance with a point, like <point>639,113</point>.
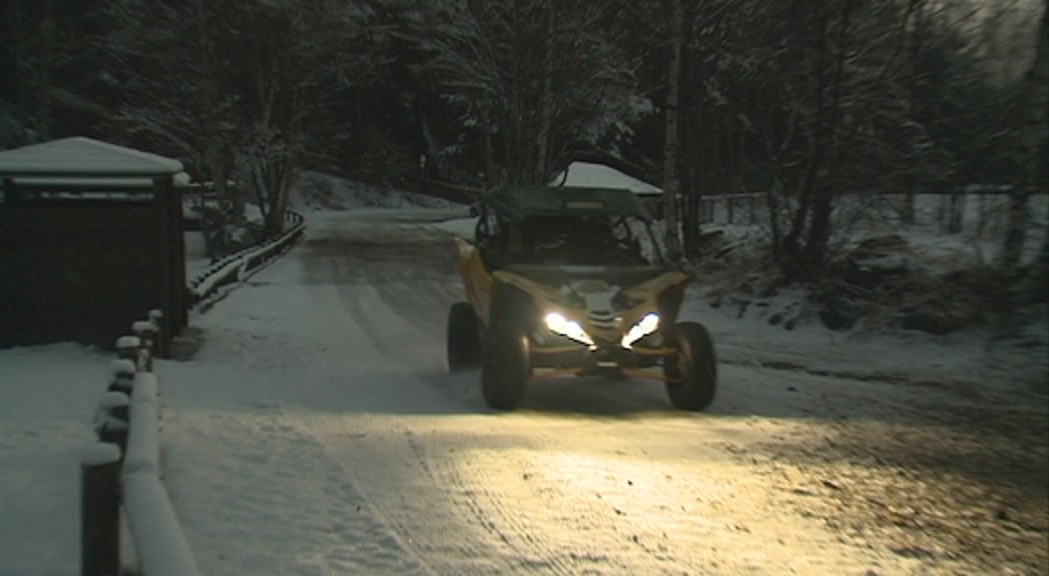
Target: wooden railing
<point>121,471</point>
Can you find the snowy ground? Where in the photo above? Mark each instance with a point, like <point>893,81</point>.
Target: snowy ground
<point>316,431</point>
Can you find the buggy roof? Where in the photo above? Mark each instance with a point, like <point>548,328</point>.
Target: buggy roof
<point>515,203</point>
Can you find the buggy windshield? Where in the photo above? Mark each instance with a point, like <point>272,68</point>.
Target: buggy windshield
<point>583,240</point>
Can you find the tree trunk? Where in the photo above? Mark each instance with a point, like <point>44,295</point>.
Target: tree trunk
<point>792,249</point>
<point>691,220</point>
<point>908,206</point>
<point>258,175</point>
<point>670,149</point>
<point>547,105</point>
<point>693,138</point>
<point>216,152</point>
<point>915,18</point>
<point>772,203</point>
<point>276,183</point>
<point>281,204</point>
<point>492,177</point>
<point>819,232</point>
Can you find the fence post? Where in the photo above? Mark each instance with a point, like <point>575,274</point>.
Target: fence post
<point>100,511</point>
<point>163,337</point>
<point>147,334</point>
<point>123,376</point>
<point>112,417</point>
<point>127,348</point>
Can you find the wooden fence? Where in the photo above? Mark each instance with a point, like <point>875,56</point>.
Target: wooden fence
<point>120,472</point>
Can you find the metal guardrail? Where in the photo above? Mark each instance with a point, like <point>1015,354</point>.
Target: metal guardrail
<point>239,266</point>
<point>449,191</point>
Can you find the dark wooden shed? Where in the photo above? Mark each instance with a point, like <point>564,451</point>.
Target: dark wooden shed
<point>90,241</point>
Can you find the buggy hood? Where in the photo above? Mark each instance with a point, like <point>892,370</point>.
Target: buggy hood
<point>560,275</point>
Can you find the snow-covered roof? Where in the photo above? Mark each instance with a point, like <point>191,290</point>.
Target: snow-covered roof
<point>180,180</point>
<point>590,175</point>
<point>516,203</point>
<point>83,157</point>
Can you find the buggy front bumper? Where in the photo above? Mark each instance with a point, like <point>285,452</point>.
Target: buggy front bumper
<point>598,360</point>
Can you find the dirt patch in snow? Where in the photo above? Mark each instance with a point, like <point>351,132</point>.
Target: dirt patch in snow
<point>974,492</point>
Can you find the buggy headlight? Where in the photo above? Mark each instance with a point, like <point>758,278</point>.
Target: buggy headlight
<point>568,328</point>
<point>644,327</point>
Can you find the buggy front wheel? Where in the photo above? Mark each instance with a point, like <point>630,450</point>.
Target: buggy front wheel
<point>504,368</point>
<point>692,377</point>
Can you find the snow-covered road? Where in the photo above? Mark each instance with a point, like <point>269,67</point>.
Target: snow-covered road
<point>317,431</point>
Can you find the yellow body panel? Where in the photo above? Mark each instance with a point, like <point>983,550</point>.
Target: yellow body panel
<point>476,279</point>
<point>478,284</point>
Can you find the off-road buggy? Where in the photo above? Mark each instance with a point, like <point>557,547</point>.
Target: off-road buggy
<point>571,281</point>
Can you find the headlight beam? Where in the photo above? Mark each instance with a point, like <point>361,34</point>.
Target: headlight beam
<point>644,327</point>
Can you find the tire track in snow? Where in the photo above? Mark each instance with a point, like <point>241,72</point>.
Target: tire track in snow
<point>424,304</point>
<point>460,500</point>
<point>517,500</point>
<point>499,516</point>
<point>570,509</point>
<point>499,511</point>
<point>394,336</point>
<point>296,506</point>
<point>419,302</point>
<point>400,485</point>
<point>417,348</point>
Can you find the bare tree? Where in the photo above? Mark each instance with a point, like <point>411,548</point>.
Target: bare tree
<point>810,102</point>
<point>235,84</point>
<point>290,62</point>
<point>167,61</point>
<point>534,79</point>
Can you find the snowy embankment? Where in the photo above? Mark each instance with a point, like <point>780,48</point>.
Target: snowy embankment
<point>48,396</point>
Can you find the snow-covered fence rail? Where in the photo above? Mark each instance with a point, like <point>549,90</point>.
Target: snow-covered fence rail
<point>159,541</point>
<point>449,191</point>
<point>239,266</point>
<point>747,208</point>
<point>123,467</point>
<point>975,210</point>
